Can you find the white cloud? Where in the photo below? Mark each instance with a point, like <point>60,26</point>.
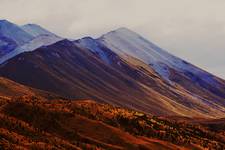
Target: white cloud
<point>191,29</point>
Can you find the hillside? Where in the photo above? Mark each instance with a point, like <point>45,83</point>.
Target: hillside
<point>33,123</point>
<point>10,89</point>
<point>85,69</point>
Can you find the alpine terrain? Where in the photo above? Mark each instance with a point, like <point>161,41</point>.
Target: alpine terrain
<point>118,91</point>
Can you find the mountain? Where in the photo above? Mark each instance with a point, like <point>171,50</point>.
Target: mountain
<point>39,37</point>
<point>87,69</point>
<point>95,47</point>
<point>6,45</point>
<point>71,71</point>
<point>41,40</point>
<point>14,32</point>
<point>36,30</point>
<point>11,36</point>
<point>116,92</point>
<point>171,68</point>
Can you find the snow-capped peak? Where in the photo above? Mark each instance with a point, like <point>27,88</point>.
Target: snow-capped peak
<point>124,41</point>
<point>28,38</point>
<point>14,32</point>
<point>36,30</point>
<point>42,40</point>
<point>121,32</point>
<point>3,20</point>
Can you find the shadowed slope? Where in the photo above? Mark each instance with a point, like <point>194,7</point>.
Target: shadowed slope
<point>10,89</point>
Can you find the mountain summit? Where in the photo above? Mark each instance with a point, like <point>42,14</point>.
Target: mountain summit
<point>171,68</point>
<point>36,30</point>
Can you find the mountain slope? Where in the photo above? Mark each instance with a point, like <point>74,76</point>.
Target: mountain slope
<point>10,89</point>
<point>40,37</point>
<point>14,32</point>
<point>11,36</point>
<point>92,71</point>
<point>188,92</point>
<point>172,69</point>
<point>41,40</point>
<point>124,41</point>
<point>6,45</point>
<point>36,30</point>
<point>66,69</point>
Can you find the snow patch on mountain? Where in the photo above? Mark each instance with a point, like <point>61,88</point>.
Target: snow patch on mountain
<point>6,45</point>
<point>124,41</point>
<point>42,40</point>
<point>15,40</point>
<point>93,46</point>
<point>14,32</point>
<point>36,30</point>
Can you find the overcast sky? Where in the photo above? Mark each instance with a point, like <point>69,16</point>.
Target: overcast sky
<point>191,29</point>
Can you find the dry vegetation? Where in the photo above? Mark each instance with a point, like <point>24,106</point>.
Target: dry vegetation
<point>31,122</point>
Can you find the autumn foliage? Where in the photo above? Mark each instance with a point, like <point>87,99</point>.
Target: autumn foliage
<point>30,122</point>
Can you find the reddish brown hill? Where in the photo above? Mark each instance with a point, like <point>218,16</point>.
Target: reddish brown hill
<point>10,89</point>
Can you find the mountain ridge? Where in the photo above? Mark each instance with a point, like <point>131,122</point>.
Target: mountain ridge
<point>119,91</point>
<point>38,37</point>
<point>120,68</point>
<point>160,60</point>
<point>70,69</point>
<point>36,30</point>
<point>14,32</point>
